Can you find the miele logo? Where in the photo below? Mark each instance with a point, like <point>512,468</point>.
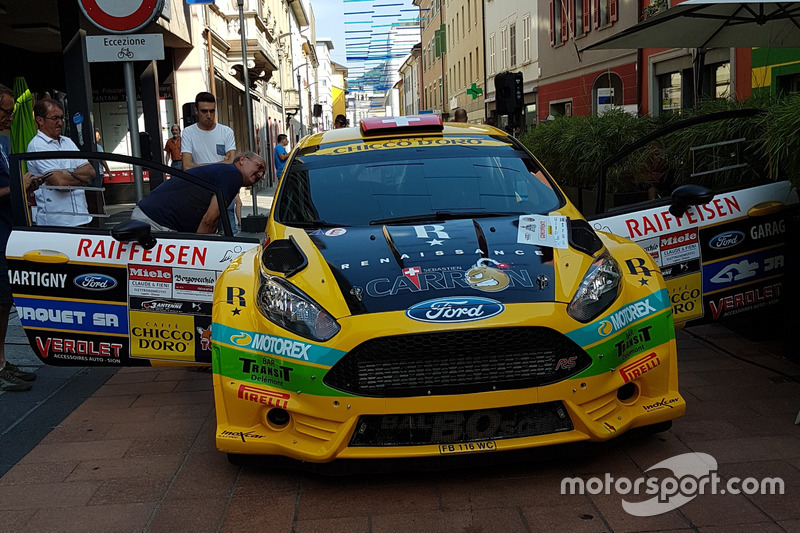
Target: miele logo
<point>151,273</point>
<point>453,310</point>
<point>95,282</point>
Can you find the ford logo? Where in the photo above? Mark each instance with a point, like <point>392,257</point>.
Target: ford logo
<point>95,282</point>
<point>452,310</point>
<point>728,239</point>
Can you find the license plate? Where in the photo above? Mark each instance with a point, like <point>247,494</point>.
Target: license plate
<point>468,447</point>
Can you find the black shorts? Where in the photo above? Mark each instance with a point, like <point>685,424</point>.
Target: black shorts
<point>5,287</point>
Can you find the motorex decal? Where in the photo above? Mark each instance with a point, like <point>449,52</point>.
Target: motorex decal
<point>274,345</point>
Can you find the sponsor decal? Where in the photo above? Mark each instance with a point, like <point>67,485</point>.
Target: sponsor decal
<point>639,367</point>
<point>239,435</point>
<point>679,247</point>
<point>543,230</point>
<point>651,247</point>
<point>161,305</point>
<point>488,278</point>
<point>661,404</point>
<point>193,284</point>
<point>746,300</point>
<point>742,270</point>
<point>455,310</point>
<point>235,296</point>
<point>87,317</point>
<point>37,279</point>
<point>267,371</point>
<point>263,396</point>
<point>405,143</point>
<point>273,345</point>
<point>652,223</point>
<point>412,273</point>
<point>366,263</point>
<point>627,315</point>
<point>638,265</point>
<point>150,281</point>
<point>633,342</point>
<point>130,252</point>
<point>162,336</point>
<point>566,363</point>
<point>768,229</point>
<point>204,334</point>
<point>726,240</point>
<point>680,269</point>
<point>78,349</point>
<point>686,297</point>
<point>230,254</point>
<point>95,282</point>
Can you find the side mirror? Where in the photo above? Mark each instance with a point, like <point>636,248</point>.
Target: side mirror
<point>687,195</point>
<point>134,230</point>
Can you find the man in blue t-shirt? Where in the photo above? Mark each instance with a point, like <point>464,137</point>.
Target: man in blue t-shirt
<point>177,205</point>
<point>281,155</point>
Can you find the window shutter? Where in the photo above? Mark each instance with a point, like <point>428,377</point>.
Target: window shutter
<point>587,15</point>
<point>596,13</point>
<point>612,10</point>
<point>552,24</point>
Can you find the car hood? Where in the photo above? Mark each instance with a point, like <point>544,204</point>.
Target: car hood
<point>390,268</point>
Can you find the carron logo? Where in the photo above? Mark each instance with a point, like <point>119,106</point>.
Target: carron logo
<point>729,239</point>
<point>95,282</point>
<point>451,310</point>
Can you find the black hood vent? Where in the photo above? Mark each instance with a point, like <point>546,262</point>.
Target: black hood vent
<point>284,256</point>
<point>583,238</point>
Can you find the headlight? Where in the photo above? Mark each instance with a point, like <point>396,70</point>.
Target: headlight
<point>292,310</point>
<point>598,290</point>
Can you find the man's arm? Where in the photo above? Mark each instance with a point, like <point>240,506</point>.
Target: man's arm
<point>210,220</point>
<point>188,162</point>
<point>229,155</point>
<point>31,182</point>
<point>283,155</point>
<point>80,177</point>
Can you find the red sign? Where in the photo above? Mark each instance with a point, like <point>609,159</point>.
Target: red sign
<point>121,16</point>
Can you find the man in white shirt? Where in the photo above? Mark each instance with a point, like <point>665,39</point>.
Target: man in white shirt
<point>206,142</point>
<point>56,206</point>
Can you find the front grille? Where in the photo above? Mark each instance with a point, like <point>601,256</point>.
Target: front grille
<point>457,362</point>
<point>461,426</point>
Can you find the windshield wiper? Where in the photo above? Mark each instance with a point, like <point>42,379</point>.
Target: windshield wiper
<point>316,223</point>
<point>442,215</point>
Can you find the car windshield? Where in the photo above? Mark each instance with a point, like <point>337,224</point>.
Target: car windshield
<point>409,180</point>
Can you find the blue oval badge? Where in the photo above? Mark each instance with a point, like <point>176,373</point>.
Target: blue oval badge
<point>455,309</point>
<point>729,239</point>
<point>95,282</point>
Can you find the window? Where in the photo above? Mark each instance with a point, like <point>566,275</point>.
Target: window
<point>469,17</point>
<point>503,48</point>
<point>722,80</point>
<point>512,44</point>
<point>526,37</point>
<point>470,69</point>
<point>670,89</point>
<point>605,12</point>
<point>582,13</point>
<point>491,54</point>
<point>441,91</point>
<point>558,24</point>
<point>462,21</point>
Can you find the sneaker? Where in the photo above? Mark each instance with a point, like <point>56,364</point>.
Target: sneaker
<point>11,383</point>
<point>21,374</point>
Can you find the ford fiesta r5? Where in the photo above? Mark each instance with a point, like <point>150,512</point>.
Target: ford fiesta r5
<point>427,289</point>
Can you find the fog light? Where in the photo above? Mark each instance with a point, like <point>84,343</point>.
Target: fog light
<point>628,393</point>
<point>278,417</point>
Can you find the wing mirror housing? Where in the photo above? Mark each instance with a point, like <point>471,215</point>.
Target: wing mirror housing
<point>134,230</point>
<point>687,195</point>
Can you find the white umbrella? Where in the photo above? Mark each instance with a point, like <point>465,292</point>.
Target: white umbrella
<point>713,24</point>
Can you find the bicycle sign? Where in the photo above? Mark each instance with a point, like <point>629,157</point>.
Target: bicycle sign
<point>116,48</point>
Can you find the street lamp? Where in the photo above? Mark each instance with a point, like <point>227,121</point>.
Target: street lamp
<point>299,99</point>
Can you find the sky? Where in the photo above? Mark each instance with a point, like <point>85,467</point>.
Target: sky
<point>330,21</point>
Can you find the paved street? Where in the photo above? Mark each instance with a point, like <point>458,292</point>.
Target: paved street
<point>138,455</point>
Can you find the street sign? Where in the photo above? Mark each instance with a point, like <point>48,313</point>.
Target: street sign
<point>116,48</point>
<point>121,16</point>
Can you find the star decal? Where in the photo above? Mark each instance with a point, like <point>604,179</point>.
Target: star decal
<point>435,242</point>
<point>643,281</point>
<point>236,311</point>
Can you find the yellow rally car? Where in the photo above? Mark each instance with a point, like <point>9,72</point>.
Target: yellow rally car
<point>422,289</point>
<point>426,289</point>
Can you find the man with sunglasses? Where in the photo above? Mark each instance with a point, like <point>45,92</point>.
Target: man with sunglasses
<point>197,210</point>
<point>55,204</point>
<point>12,377</point>
<point>206,142</point>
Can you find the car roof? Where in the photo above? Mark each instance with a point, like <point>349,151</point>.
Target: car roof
<point>355,133</point>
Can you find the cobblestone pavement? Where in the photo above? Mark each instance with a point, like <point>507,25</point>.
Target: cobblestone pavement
<point>138,455</point>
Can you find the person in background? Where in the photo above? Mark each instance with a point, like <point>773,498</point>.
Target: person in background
<point>460,115</point>
<point>198,209</point>
<point>12,377</point>
<point>281,155</point>
<point>172,149</point>
<point>206,142</point>
<point>56,206</point>
<point>104,170</point>
<point>340,122</point>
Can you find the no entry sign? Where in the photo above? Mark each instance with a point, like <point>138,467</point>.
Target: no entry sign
<point>121,16</point>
